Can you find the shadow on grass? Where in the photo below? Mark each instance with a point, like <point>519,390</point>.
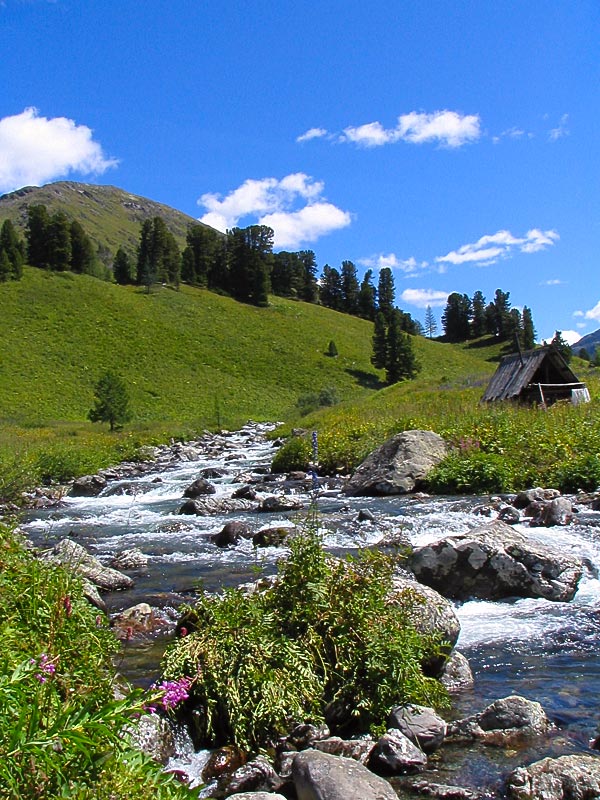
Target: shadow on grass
<point>368,380</point>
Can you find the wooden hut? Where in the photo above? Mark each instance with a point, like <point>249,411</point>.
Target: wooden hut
<point>536,376</point>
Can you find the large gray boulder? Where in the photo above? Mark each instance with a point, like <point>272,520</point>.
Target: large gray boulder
<point>399,466</point>
<point>494,561</point>
<point>395,754</point>
<point>420,724</point>
<point>319,776</point>
<point>88,486</point>
<point>502,723</point>
<point>573,777</point>
<point>73,555</point>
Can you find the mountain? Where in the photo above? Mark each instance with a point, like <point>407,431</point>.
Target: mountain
<point>110,216</point>
<point>590,342</point>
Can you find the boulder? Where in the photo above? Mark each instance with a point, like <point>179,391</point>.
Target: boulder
<point>554,512</point>
<point>223,761</point>
<point>153,735</point>
<point>282,503</point>
<point>502,723</point>
<point>131,559</point>
<point>524,499</point>
<point>199,487</point>
<point>358,749</point>
<point>319,776</point>
<point>571,777</point>
<point>73,555</point>
<point>442,791</point>
<point>420,724</point>
<point>493,562</point>
<point>231,533</point>
<point>256,796</point>
<point>430,613</point>
<point>271,537</point>
<point>457,674</point>
<point>255,776</point>
<point>305,735</point>
<point>212,506</point>
<point>399,466</point>
<point>395,754</point>
<point>88,486</point>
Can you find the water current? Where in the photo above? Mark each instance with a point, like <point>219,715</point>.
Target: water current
<point>543,650</point>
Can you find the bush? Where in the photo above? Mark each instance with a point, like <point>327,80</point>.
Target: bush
<point>471,473</point>
<point>323,642</point>
<point>295,454</point>
<point>578,474</point>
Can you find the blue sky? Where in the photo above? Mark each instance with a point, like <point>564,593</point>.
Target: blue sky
<point>456,142</point>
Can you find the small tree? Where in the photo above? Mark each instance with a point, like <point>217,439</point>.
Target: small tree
<point>332,350</point>
<point>430,323</point>
<point>563,347</point>
<point>111,402</point>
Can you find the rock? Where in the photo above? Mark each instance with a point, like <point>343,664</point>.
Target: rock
<point>524,499</point>
<point>420,724</point>
<point>366,515</point>
<point>572,777</point>
<point>305,735</point>
<point>93,596</point>
<point>509,514</point>
<point>457,674</point>
<point>153,735</point>
<point>283,503</point>
<point>271,537</point>
<point>399,466</point>
<point>319,776</point>
<point>199,487</point>
<point>212,473</point>
<point>504,722</point>
<point>395,754</point>
<point>138,619</point>
<point>223,761</point>
<point>88,486</point>
<point>357,749</point>
<point>73,555</point>
<point>441,791</point>
<point>493,562</point>
<point>256,796</point>
<point>231,534</point>
<point>132,559</point>
<point>245,492</point>
<point>430,613</point>
<point>210,506</point>
<point>555,512</point>
<point>255,776</point>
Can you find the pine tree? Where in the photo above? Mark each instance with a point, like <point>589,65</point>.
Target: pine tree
<point>386,293</point>
<point>563,347</point>
<point>58,242</point>
<point>367,297</point>
<point>83,255</point>
<point>123,268</point>
<point>528,329</point>
<point>455,318</point>
<point>504,323</point>
<point>379,355</point>
<point>478,319</point>
<point>12,245</point>
<point>401,362</point>
<point>111,402</point>
<point>331,294</point>
<point>36,234</point>
<point>430,323</point>
<point>350,288</point>
<point>5,266</point>
<point>308,290</point>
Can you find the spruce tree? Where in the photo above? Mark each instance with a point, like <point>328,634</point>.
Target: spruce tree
<point>430,323</point>
<point>36,234</point>
<point>379,355</point>
<point>111,402</point>
<point>14,249</point>
<point>123,268</point>
<point>367,302</point>
<point>386,293</point>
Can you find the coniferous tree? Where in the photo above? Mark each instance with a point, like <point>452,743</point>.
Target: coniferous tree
<point>111,402</point>
<point>83,256</point>
<point>528,329</point>
<point>308,290</point>
<point>504,323</point>
<point>456,317</point>
<point>58,242</point>
<point>199,255</point>
<point>430,323</point>
<point>478,319</point>
<point>5,266</point>
<point>583,354</point>
<point>379,355</point>
<point>331,288</point>
<point>146,265</point>
<point>350,288</point>
<point>401,362</point>
<point>123,270</point>
<point>367,297</point>
<point>386,293</point>
<point>563,347</point>
<point>13,247</point>
<point>36,233</point>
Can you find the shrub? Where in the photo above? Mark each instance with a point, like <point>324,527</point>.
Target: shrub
<point>323,642</point>
<point>295,454</point>
<point>471,473</point>
<point>578,474</point>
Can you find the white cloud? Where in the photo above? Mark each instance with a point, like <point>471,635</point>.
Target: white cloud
<point>488,249</point>
<point>312,133</point>
<point>447,128</point>
<point>421,298</point>
<point>594,313</point>
<point>35,149</point>
<point>570,337</point>
<point>409,265</point>
<point>552,282</point>
<point>275,203</point>
<point>561,129</point>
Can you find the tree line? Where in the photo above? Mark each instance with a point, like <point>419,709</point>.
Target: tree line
<point>470,318</point>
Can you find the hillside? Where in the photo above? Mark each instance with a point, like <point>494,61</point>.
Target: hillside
<point>110,216</point>
<point>590,342</point>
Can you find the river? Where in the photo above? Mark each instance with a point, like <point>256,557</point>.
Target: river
<point>543,650</point>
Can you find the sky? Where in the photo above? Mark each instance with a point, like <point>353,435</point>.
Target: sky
<point>455,141</point>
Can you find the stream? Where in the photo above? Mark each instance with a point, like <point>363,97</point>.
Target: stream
<point>543,650</point>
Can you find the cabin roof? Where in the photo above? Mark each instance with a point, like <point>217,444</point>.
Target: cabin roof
<point>517,370</point>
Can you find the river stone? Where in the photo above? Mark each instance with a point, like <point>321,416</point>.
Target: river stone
<point>420,724</point>
<point>209,506</point>
<point>442,791</point>
<point>199,487</point>
<point>358,749</point>
<point>572,777</point>
<point>430,614</point>
<point>503,722</point>
<point>130,559</point>
<point>282,503</point>
<point>88,486</point>
<point>493,562</point>
<point>395,754</point>
<point>319,776</point>
<point>271,537</point>
<point>305,735</point>
<point>72,554</point>
<point>231,533</point>
<point>555,512</point>
<point>523,499</point>
<point>457,674</point>
<point>154,736</point>
<point>255,776</point>
<point>399,466</point>
<point>223,761</point>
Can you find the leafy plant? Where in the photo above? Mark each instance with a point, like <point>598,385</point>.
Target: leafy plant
<point>324,641</point>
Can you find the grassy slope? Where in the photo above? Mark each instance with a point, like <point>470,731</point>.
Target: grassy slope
<point>110,216</point>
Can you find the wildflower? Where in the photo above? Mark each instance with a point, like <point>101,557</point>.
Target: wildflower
<point>315,446</point>
<point>46,666</point>
<point>183,631</point>
<point>174,692</point>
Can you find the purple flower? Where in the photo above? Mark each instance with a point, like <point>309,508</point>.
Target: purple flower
<point>174,692</point>
<point>46,666</point>
<point>315,446</point>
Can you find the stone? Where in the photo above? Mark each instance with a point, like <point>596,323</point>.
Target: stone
<point>223,761</point>
<point>555,512</point>
<point>73,555</point>
<point>306,735</point>
<point>271,537</point>
<point>504,722</point>
<point>399,466</point>
<point>282,503</point>
<point>153,735</point>
<point>199,487</point>
<point>420,724</point>
<point>231,533</point>
<point>358,749</point>
<point>523,499</point>
<point>131,559</point>
<point>395,754</point>
<point>441,791</point>
<point>571,777</point>
<point>319,776</point>
<point>457,674</point>
<point>209,506</point>
<point>255,776</point>
<point>366,515</point>
<point>509,514</point>
<point>493,562</point>
<point>88,486</point>
<point>256,796</point>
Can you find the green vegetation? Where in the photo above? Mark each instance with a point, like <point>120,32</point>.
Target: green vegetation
<point>323,642</point>
<point>61,730</point>
<point>111,403</point>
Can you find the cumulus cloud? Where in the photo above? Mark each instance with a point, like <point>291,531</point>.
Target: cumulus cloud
<point>410,266</point>
<point>312,133</point>
<point>421,298</point>
<point>502,244</point>
<point>275,202</point>
<point>561,129</point>
<point>35,149</point>
<point>593,313</point>
<point>447,128</point>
